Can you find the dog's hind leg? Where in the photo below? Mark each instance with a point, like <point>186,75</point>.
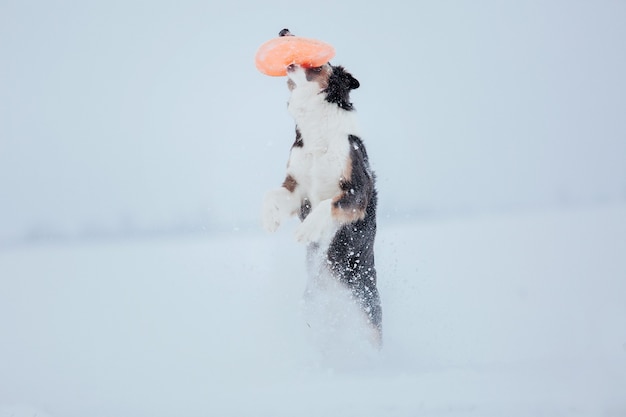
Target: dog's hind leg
<point>369,300</point>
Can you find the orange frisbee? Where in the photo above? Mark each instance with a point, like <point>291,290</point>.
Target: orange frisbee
<point>274,56</point>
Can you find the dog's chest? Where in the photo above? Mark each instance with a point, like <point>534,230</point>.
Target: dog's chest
<point>319,166</point>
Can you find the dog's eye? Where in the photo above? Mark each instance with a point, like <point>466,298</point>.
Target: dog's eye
<point>316,69</point>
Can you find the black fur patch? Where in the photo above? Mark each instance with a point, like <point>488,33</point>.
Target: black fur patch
<point>340,83</point>
<point>351,252</point>
<point>305,209</point>
<point>358,189</point>
<point>298,142</point>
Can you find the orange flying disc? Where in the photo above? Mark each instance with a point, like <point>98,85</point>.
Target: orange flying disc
<point>274,56</point>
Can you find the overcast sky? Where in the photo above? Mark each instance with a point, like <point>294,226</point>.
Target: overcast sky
<point>129,114</point>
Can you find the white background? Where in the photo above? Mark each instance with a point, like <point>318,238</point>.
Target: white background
<point>124,117</point>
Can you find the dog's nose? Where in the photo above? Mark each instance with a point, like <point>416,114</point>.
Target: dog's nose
<point>284,32</point>
<point>291,68</point>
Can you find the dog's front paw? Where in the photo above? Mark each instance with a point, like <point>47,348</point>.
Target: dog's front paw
<point>308,232</point>
<point>317,225</point>
<point>270,215</point>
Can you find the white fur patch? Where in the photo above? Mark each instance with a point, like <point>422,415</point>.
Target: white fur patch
<point>318,166</point>
<point>319,224</point>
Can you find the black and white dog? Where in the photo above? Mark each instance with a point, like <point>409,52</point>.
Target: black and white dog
<point>330,186</point>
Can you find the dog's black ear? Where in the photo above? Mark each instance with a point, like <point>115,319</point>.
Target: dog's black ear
<point>340,83</point>
<point>353,82</point>
<point>347,79</point>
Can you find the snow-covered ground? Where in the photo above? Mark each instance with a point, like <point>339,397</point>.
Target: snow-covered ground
<point>518,314</point>
<point>120,123</point>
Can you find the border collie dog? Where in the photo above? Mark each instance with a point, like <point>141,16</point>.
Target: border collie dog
<point>330,186</point>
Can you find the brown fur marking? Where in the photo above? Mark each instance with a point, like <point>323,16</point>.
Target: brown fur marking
<point>290,183</point>
<point>346,215</point>
<point>349,213</point>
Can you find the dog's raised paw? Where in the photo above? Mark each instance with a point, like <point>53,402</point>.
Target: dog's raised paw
<point>270,216</point>
<point>317,225</point>
<point>308,232</point>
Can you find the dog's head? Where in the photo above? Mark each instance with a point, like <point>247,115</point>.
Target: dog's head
<point>333,81</point>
